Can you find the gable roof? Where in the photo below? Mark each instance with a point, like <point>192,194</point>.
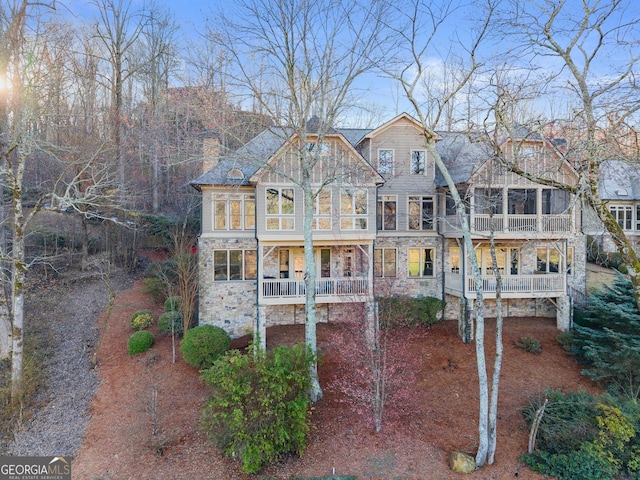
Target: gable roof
<point>405,116</point>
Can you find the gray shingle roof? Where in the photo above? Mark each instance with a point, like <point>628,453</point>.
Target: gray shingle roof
<point>619,180</point>
<point>461,155</point>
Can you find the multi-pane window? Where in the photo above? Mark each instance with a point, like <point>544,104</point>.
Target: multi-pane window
<point>418,162</point>
<point>280,208</point>
<point>421,262</point>
<point>234,265</point>
<point>455,260</point>
<point>385,161</point>
<point>353,209</point>
<point>322,210</point>
<point>325,262</point>
<point>623,215</point>
<point>548,260</point>
<point>421,213</point>
<point>387,212</point>
<point>384,262</point>
<point>234,212</point>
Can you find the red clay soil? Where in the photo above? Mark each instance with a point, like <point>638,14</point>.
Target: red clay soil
<point>439,416</point>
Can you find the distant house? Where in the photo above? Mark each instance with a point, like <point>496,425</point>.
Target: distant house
<point>385,226</point>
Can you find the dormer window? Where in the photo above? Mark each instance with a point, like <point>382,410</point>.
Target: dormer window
<point>235,174</point>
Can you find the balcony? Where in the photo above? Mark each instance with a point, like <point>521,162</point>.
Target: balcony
<point>274,291</point>
<point>546,285</point>
<point>506,223</point>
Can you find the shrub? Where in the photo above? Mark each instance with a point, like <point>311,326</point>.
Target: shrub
<point>529,344</point>
<point>155,288</point>
<point>140,342</point>
<point>170,322</point>
<point>201,346</point>
<point>163,269</point>
<point>565,340</point>
<point>409,311</point>
<point>173,304</point>
<point>259,407</point>
<point>141,319</point>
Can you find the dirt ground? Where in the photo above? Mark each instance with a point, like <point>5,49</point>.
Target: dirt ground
<point>133,436</point>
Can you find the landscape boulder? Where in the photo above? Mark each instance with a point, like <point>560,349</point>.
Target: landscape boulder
<point>462,462</point>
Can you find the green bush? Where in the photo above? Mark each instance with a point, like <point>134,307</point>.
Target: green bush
<point>170,322</point>
<point>141,319</point>
<point>173,304</point>
<point>409,311</point>
<point>201,346</point>
<point>565,340</point>
<point>163,269</point>
<point>155,288</point>
<point>140,342</point>
<point>259,409</point>
<point>529,344</point>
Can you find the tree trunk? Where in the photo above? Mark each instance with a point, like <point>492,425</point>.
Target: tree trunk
<point>310,292</point>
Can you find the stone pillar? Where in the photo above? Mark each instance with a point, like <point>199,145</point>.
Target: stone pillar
<point>261,327</point>
<point>563,314</point>
<point>466,320</point>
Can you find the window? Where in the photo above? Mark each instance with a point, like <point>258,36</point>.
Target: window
<point>515,260</point>
<point>312,147</point>
<point>421,213</point>
<point>418,162</point>
<point>280,208</point>
<point>638,217</point>
<point>384,262</point>
<point>548,260</point>
<point>234,212</point>
<point>387,212</point>
<point>385,161</point>
<point>487,201</point>
<point>521,201</point>
<point>622,214</point>
<point>322,210</point>
<point>569,260</point>
<point>455,260</point>
<point>325,262</point>
<point>421,262</point>
<point>234,265</point>
<point>353,209</point>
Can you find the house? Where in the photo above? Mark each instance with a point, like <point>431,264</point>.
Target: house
<point>383,225</point>
<point>619,187</point>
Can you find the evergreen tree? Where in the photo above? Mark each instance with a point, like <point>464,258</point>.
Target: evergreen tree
<point>607,339</point>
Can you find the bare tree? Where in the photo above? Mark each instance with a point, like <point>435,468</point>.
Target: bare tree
<point>297,60</point>
<point>590,56</point>
<point>420,27</point>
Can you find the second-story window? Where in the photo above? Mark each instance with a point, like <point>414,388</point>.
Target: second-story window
<point>420,213</point>
<point>385,161</point>
<point>623,215</point>
<point>421,261</point>
<point>234,212</point>
<point>353,209</point>
<point>280,208</point>
<point>418,162</point>
<point>387,212</point>
<point>322,210</point>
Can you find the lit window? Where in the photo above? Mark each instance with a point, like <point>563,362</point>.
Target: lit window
<point>547,260</point>
<point>421,262</point>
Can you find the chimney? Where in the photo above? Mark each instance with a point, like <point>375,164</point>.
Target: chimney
<point>210,152</point>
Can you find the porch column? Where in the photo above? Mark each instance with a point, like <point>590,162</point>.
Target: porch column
<point>261,327</point>
<point>563,313</point>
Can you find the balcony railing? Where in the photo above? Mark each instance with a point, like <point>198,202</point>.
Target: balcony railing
<point>325,287</point>
<point>521,286</point>
<point>500,223</point>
